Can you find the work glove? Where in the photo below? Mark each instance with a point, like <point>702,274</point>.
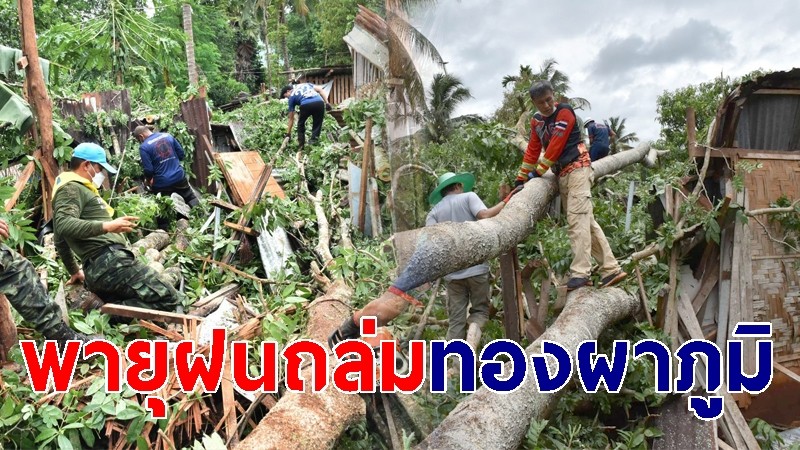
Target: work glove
<point>512,193</point>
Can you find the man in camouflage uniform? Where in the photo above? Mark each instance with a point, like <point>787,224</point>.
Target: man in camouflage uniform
<point>84,227</point>
<point>20,284</point>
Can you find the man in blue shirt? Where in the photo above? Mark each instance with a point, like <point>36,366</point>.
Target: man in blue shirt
<point>161,157</point>
<point>599,138</point>
<point>313,101</point>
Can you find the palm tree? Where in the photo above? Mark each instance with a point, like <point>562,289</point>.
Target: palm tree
<point>445,93</point>
<point>623,141</point>
<point>516,103</point>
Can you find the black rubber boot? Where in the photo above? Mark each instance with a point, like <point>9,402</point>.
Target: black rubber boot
<point>348,330</point>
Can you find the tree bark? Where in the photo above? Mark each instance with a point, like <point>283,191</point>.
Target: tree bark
<point>187,28</point>
<point>306,420</point>
<point>157,240</point>
<point>500,421</point>
<point>449,247</point>
<point>37,96</point>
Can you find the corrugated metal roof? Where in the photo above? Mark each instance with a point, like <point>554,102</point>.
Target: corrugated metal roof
<point>365,44</point>
<point>769,122</point>
<point>761,114</point>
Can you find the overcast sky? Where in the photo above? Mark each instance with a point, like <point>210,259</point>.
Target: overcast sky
<point>620,55</point>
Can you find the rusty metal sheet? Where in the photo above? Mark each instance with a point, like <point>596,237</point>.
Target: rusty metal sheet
<point>106,101</point>
<point>195,114</point>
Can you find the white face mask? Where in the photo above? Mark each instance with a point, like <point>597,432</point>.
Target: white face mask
<point>98,178</point>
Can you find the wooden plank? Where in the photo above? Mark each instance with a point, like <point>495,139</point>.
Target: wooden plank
<point>225,291</point>
<point>777,92</point>
<point>223,204</point>
<point>707,285</point>
<point>146,314</point>
<point>726,241</point>
<point>171,335</point>
<point>19,186</point>
<point>732,413</point>
<point>241,171</point>
<point>746,294</point>
<point>782,369</point>
<point>229,404</point>
<point>242,229</point>
<point>730,153</point>
<point>511,321</point>
<point>365,169</point>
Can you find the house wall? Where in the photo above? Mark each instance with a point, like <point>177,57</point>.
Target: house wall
<point>364,72</point>
<point>775,286</point>
<point>341,89</point>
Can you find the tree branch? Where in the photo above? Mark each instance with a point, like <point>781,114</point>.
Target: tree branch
<point>788,209</point>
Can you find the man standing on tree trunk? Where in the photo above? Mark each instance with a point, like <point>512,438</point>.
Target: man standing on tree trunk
<point>313,101</point>
<point>554,132</point>
<point>84,227</point>
<point>456,206</point>
<point>454,201</point>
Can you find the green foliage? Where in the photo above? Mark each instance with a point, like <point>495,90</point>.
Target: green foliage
<point>766,436</point>
<point>356,115</point>
<point>445,93</point>
<point>118,38</point>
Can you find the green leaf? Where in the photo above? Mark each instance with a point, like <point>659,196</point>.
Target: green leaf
<point>128,414</point>
<point>293,299</point>
<point>46,435</point>
<point>73,425</point>
<point>7,409</point>
<point>64,443</point>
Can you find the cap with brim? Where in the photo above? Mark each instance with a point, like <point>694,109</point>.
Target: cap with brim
<point>450,178</point>
<point>94,153</point>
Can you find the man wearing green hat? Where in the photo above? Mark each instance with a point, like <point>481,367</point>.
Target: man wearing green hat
<point>468,289</point>
<point>453,201</point>
<point>84,227</point>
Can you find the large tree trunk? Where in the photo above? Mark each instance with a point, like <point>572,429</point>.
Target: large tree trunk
<point>449,247</point>
<point>312,420</point>
<point>316,420</point>
<point>500,421</point>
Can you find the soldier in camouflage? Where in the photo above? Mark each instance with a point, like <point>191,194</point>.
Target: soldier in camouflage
<point>84,228</point>
<point>21,286</point>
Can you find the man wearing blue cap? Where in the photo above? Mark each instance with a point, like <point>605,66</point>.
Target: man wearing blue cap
<point>84,227</point>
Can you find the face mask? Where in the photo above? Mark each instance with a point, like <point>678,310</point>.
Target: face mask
<point>98,178</point>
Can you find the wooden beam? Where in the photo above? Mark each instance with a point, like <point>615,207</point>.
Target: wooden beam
<point>365,165</point>
<point>223,204</point>
<point>732,415</point>
<point>511,316</point>
<point>242,229</point>
<point>146,314</point>
<point>782,369</point>
<point>19,186</point>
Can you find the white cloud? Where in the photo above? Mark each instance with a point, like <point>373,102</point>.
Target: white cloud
<point>645,48</point>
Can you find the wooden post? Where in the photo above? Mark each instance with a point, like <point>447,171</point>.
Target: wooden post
<point>511,306</point>
<point>38,98</point>
<point>365,164</point>
<point>691,132</point>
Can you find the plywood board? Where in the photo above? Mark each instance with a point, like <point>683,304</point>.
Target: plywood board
<point>241,171</point>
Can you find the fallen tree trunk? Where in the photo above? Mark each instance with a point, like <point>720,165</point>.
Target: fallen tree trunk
<point>314,420</point>
<point>157,240</point>
<point>449,247</point>
<point>306,420</point>
<point>499,421</point>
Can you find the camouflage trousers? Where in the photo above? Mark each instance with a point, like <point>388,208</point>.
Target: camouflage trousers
<point>21,286</point>
<point>116,276</point>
